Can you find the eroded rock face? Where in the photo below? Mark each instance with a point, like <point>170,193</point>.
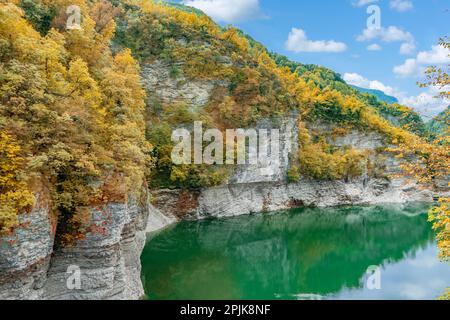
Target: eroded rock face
<point>158,220</point>
<point>108,259</point>
<point>159,82</point>
<point>277,161</point>
<point>236,200</point>
<point>239,199</point>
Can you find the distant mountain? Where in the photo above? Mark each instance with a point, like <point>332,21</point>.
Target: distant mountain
<point>387,106</point>
<point>383,97</point>
<point>440,124</point>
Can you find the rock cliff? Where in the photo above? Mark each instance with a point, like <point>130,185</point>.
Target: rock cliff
<point>258,188</point>
<point>107,260</point>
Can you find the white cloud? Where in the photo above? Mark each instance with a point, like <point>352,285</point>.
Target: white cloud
<point>401,5</point>
<point>374,47</point>
<point>362,3</point>
<point>355,79</point>
<point>390,34</point>
<point>228,10</point>
<point>298,42</point>
<point>408,68</point>
<point>359,81</point>
<point>438,55</point>
<point>407,48</point>
<point>426,103</point>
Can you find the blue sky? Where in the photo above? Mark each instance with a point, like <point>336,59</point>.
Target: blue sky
<point>390,57</point>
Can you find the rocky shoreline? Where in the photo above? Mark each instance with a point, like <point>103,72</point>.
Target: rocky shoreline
<point>108,258</point>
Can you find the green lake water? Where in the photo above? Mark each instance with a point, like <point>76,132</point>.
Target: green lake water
<point>298,254</point>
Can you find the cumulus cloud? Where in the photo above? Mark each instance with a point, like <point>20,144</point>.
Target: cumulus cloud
<point>401,5</point>
<point>362,3</point>
<point>374,47</point>
<point>359,81</point>
<point>298,42</point>
<point>390,34</point>
<point>229,11</point>
<point>438,55</point>
<point>408,68</point>
<point>407,48</point>
<point>426,103</point>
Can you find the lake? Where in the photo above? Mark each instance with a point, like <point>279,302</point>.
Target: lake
<point>306,253</point>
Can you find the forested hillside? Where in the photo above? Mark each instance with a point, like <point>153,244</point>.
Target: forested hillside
<point>71,111</point>
<point>379,94</point>
<point>77,126</point>
<point>388,108</point>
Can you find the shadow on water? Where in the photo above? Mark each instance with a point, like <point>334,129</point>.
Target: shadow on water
<point>284,255</point>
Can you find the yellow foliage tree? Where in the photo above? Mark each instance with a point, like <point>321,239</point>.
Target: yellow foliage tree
<point>432,163</point>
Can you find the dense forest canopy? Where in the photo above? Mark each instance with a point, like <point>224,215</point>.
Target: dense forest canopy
<point>78,128</point>
<point>71,111</point>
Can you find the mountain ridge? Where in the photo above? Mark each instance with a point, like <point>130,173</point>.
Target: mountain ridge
<point>382,96</point>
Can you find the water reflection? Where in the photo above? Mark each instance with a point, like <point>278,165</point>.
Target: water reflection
<point>304,253</point>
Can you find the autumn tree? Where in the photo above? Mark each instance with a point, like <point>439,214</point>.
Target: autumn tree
<point>71,115</point>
